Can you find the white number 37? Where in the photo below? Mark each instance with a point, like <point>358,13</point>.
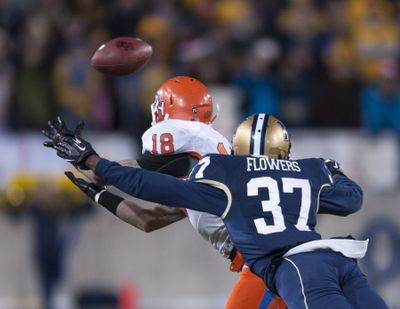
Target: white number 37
<point>272,204</point>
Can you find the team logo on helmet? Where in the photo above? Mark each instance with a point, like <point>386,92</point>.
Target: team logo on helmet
<point>159,105</point>
<point>157,108</point>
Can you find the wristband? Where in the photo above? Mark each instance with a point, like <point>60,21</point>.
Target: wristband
<point>108,200</point>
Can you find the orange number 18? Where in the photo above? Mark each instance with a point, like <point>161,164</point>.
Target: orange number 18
<point>166,141</point>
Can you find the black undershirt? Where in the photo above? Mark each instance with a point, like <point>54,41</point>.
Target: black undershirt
<point>177,165</point>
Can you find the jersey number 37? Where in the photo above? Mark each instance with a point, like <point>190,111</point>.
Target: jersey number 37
<point>273,203</point>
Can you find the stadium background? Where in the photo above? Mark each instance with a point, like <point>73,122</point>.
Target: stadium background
<point>328,69</point>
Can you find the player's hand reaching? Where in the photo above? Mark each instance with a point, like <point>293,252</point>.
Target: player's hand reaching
<point>89,188</point>
<point>69,144</point>
<point>334,167</point>
<point>57,129</point>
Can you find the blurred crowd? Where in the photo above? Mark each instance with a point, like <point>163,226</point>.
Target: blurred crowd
<point>313,63</point>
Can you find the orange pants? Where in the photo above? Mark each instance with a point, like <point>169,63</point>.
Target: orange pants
<point>248,291</point>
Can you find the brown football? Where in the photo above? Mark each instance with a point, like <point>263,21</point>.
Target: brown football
<point>121,56</point>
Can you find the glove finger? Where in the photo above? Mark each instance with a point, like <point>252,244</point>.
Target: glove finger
<point>49,144</point>
<point>61,151</point>
<point>60,123</point>
<point>47,134</point>
<point>77,181</point>
<point>51,130</point>
<point>63,148</point>
<point>71,177</point>
<point>51,126</point>
<point>60,154</point>
<point>79,128</point>
<point>65,157</point>
<point>62,127</point>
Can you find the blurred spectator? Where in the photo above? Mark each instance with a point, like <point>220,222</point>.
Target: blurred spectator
<point>380,100</point>
<point>32,105</point>
<point>158,32</point>
<point>56,208</point>
<point>301,21</point>
<point>6,77</point>
<point>80,91</point>
<point>374,33</point>
<point>337,90</point>
<point>11,15</point>
<point>124,16</point>
<point>51,42</point>
<point>56,212</point>
<point>256,80</point>
<point>297,85</point>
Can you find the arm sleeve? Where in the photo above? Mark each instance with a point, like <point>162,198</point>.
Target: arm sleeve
<point>344,197</point>
<point>163,189</point>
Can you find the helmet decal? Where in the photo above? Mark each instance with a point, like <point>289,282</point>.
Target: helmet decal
<point>159,105</point>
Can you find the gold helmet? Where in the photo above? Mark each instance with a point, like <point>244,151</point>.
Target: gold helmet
<point>262,134</point>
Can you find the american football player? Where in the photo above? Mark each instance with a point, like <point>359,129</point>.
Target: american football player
<point>180,134</point>
<point>269,207</point>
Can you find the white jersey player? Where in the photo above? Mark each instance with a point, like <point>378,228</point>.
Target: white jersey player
<point>196,139</point>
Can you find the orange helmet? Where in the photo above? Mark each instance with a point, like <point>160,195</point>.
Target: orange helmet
<point>183,98</point>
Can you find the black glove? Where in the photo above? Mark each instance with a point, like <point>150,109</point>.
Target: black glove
<point>89,188</point>
<point>334,167</point>
<point>99,194</point>
<point>57,129</point>
<point>69,144</point>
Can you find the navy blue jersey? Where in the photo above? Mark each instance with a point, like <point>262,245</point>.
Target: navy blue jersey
<point>268,206</point>
<point>273,203</point>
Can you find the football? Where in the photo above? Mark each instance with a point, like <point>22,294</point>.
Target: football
<point>121,56</point>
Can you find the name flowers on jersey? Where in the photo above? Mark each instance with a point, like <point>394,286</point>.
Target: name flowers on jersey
<point>264,163</point>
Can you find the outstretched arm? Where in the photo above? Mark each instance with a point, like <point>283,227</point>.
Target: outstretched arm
<point>160,188</point>
<point>150,186</point>
<point>147,218</point>
<point>178,165</point>
<point>150,218</point>
<point>91,176</point>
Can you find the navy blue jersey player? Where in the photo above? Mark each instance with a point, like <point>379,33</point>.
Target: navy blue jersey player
<point>269,207</point>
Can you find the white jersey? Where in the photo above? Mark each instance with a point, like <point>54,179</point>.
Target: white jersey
<point>180,136</point>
